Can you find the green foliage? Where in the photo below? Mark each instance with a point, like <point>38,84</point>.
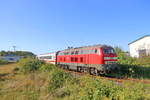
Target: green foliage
<point>17,53</point>
<point>3,62</point>
<point>58,79</point>
<point>132,67</point>
<point>144,61</point>
<point>47,67</point>
<point>55,84</point>
<point>98,89</point>
<point>30,65</point>
<point>118,49</point>
<point>124,59</point>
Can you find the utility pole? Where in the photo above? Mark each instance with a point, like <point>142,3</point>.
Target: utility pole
<point>14,47</point>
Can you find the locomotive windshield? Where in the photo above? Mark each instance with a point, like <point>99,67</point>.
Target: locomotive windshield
<point>109,51</point>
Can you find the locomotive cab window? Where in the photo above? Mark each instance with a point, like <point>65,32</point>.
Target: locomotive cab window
<point>95,50</point>
<point>76,59</point>
<point>108,50</point>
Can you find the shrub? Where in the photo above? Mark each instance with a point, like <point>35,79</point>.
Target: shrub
<point>3,62</point>
<point>30,65</point>
<point>100,89</point>
<point>47,67</point>
<point>58,79</point>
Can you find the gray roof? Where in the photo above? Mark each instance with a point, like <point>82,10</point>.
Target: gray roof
<point>85,47</point>
<point>139,39</point>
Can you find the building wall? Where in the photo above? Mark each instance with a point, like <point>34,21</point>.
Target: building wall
<point>142,45</point>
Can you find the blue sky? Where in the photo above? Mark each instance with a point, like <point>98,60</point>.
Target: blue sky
<point>49,25</point>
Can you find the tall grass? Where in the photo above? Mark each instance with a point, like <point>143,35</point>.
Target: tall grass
<point>51,83</point>
<point>28,65</point>
<point>3,62</point>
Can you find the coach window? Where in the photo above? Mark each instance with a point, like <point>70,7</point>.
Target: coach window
<point>54,57</point>
<point>50,57</point>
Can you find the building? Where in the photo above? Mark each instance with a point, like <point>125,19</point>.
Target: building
<point>11,58</point>
<point>140,47</point>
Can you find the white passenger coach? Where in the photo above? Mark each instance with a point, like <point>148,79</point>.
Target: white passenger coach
<point>48,57</point>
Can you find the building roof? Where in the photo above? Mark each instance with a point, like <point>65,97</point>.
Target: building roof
<point>139,39</point>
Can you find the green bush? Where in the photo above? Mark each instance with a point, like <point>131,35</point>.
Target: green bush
<point>144,61</point>
<point>58,79</point>
<point>29,65</point>
<point>99,89</point>
<point>47,67</point>
<point>3,62</point>
<point>132,67</point>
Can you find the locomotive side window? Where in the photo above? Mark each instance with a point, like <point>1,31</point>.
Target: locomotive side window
<point>76,59</point>
<point>77,52</point>
<point>72,53</point>
<point>66,53</point>
<point>81,59</point>
<point>84,51</point>
<point>81,52</point>
<point>64,59</point>
<point>72,59</point>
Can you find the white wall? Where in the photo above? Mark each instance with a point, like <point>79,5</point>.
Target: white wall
<point>139,45</point>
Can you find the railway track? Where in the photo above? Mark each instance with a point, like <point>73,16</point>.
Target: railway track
<point>111,78</point>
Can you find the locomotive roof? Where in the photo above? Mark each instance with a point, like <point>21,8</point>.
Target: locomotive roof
<point>87,47</point>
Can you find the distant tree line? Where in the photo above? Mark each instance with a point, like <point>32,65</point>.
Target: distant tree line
<point>17,53</point>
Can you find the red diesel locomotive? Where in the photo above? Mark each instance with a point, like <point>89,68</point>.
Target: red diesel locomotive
<point>98,59</point>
